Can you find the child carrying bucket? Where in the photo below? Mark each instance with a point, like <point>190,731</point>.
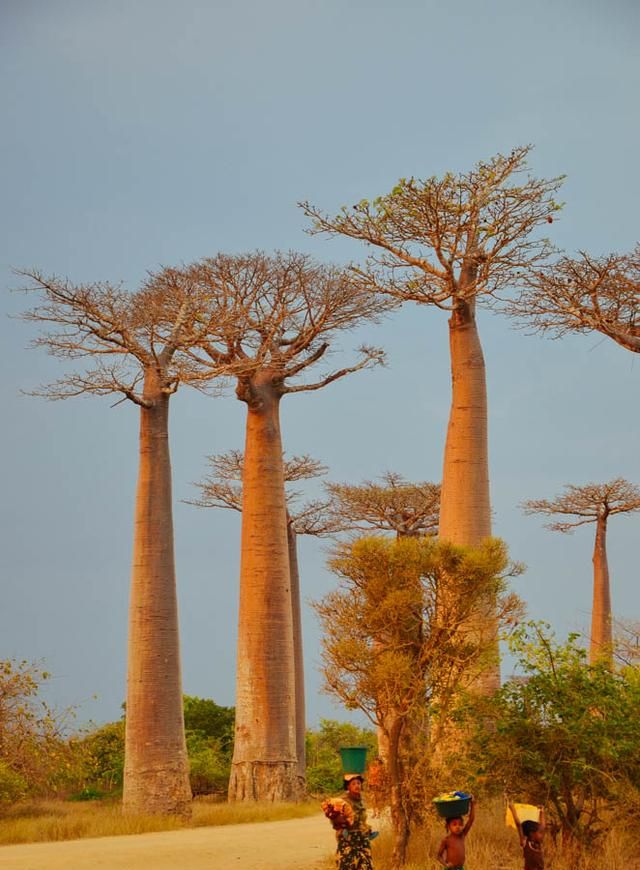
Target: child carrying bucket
<point>452,807</point>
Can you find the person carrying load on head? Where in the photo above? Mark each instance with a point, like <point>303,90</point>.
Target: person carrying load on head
<point>348,815</point>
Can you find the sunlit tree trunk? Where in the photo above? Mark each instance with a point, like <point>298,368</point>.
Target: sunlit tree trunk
<point>265,765</point>
<point>298,646</point>
<point>465,507</point>
<point>156,774</point>
<point>465,511</point>
<point>601,633</point>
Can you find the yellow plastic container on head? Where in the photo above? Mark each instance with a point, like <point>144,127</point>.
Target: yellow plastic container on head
<point>526,813</point>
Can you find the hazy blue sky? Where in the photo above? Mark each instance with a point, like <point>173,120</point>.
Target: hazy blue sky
<point>143,133</point>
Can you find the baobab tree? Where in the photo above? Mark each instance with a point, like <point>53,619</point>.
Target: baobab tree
<point>222,488</point>
<point>393,505</point>
<point>452,243</point>
<point>585,294</point>
<point>289,313</point>
<point>134,344</point>
<point>593,503</point>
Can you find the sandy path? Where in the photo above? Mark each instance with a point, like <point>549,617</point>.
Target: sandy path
<point>295,844</point>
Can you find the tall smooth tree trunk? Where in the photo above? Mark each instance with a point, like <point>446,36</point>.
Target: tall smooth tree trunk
<point>601,633</point>
<point>465,506</point>
<point>465,510</point>
<point>156,772</point>
<point>265,764</point>
<point>298,656</point>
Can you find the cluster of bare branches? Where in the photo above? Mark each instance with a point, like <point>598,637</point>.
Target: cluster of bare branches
<point>393,505</point>
<point>282,313</point>
<point>447,240</point>
<point>122,335</point>
<point>587,503</point>
<point>584,294</point>
<point>627,642</point>
<point>222,488</point>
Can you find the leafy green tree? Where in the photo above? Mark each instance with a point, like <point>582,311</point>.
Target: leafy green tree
<point>34,751</point>
<point>13,786</point>
<point>103,752</point>
<point>209,764</point>
<point>324,769</point>
<point>209,730</point>
<point>209,719</point>
<point>565,733</point>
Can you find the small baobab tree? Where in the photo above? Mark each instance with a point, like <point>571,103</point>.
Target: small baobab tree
<point>134,344</point>
<point>222,489</point>
<point>290,311</point>
<point>453,243</point>
<point>585,294</point>
<point>593,503</point>
<point>393,505</point>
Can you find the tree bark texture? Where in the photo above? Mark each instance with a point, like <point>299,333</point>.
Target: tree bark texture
<point>265,765</point>
<point>298,653</point>
<point>601,633</point>
<point>465,508</point>
<point>156,773</point>
<point>399,819</point>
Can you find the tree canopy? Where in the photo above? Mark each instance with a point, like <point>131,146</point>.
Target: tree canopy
<point>584,294</point>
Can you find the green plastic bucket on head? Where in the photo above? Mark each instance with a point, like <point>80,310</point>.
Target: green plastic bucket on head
<point>354,759</point>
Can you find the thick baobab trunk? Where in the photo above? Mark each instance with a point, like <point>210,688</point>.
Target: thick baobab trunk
<point>156,773</point>
<point>465,507</point>
<point>465,510</point>
<point>298,648</point>
<point>265,765</point>
<point>601,634</point>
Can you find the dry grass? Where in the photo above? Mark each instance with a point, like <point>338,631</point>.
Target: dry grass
<point>493,846</point>
<point>60,820</point>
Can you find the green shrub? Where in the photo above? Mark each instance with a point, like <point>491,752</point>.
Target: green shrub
<point>324,768</point>
<point>209,765</point>
<point>13,787</point>
<point>87,794</point>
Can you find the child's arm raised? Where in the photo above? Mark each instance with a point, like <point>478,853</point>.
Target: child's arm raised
<point>518,825</point>
<point>541,820</point>
<point>471,819</point>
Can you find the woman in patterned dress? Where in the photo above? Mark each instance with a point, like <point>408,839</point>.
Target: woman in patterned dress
<point>349,818</point>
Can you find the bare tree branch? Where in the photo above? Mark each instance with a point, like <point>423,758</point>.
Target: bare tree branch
<point>220,490</point>
<point>584,294</point>
<point>457,238</point>
<point>394,505</point>
<point>282,315</point>
<point>588,503</point>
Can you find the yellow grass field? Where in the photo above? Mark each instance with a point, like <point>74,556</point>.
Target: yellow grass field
<point>493,846</point>
<point>490,845</point>
<point>42,821</point>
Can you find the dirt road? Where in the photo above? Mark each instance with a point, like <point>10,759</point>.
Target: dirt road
<point>296,844</point>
